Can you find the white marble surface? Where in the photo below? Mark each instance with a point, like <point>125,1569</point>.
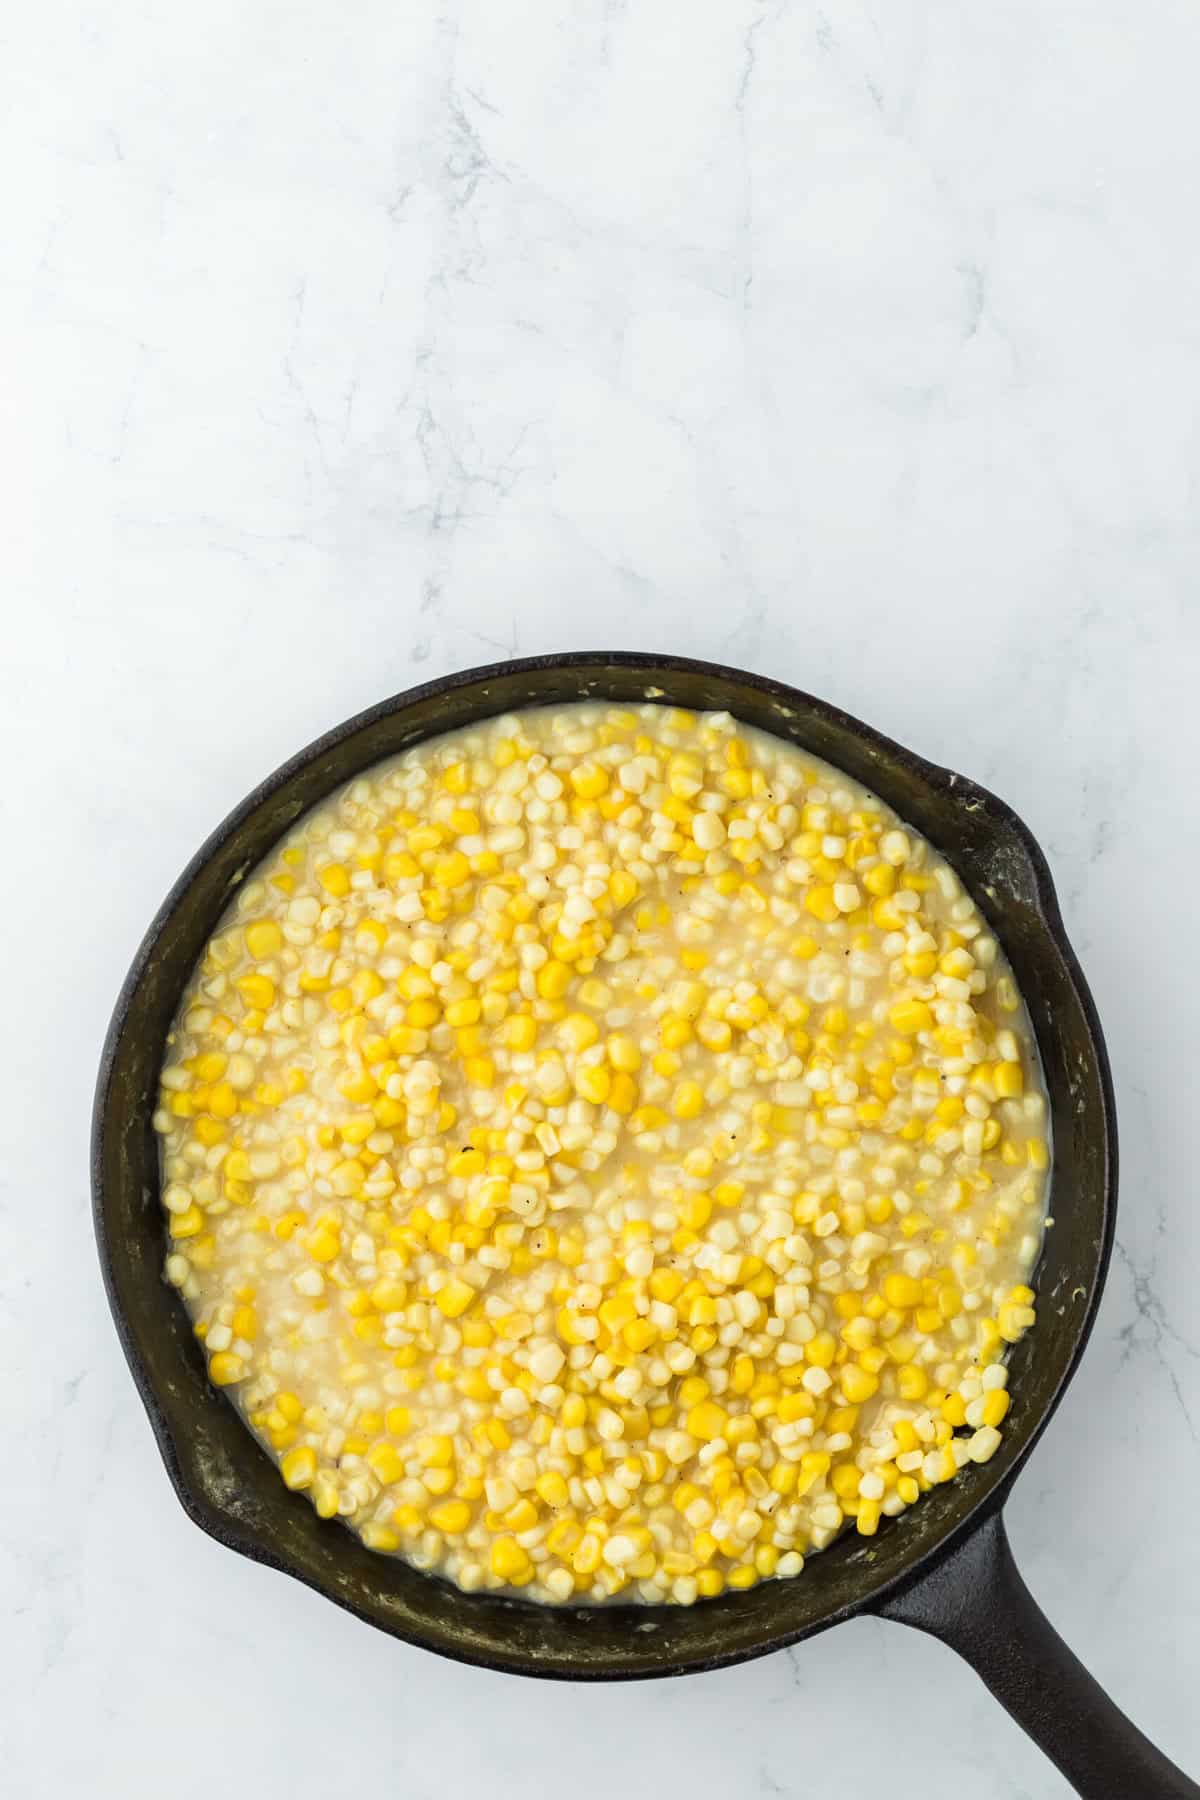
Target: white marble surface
<point>349,345</point>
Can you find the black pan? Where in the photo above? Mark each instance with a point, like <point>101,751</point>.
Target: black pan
<point>945,1566</point>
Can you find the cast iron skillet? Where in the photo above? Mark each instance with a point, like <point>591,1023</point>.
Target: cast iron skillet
<point>945,1567</point>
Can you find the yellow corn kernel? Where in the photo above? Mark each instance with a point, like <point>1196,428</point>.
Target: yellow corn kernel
<point>452,870</point>
<point>388,1295</point>
<point>688,1100</point>
<point>257,991</point>
<point>820,902</point>
<point>245,1323</point>
<point>1013,1321</point>
<point>519,1031</point>
<point>857,1385</point>
<point>552,1488</point>
<point>843,1479</point>
<point>665,1285</point>
<point>386,1462</point>
<point>373,932</point>
<point>454,1298</point>
<point>741,1378</point>
<point>553,979</point>
<point>325,1494</point>
<point>617,1311</point>
<point>912,1383</point>
<point>910,1017</point>
<point>522,1516</point>
<point>867,1518</point>
<point>589,780</point>
<point>593,1083</point>
<point>623,1053</point>
<point>298,1467</point>
<point>187,1224</point>
<point>324,1244</point>
<point>451,1517</point>
<point>585,1558</point>
<point>467,1162</point>
<point>995,1406</point>
<point>695,1210</point>
<point>707,1421</point>
<point>573,1327</point>
<point>902,1291</point>
<point>579,1032</point>
<point>335,879</point>
<point>1008,1080</point>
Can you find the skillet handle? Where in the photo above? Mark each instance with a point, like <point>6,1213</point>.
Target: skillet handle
<point>976,1601</point>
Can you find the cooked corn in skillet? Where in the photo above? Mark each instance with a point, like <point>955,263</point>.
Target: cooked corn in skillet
<point>604,1154</point>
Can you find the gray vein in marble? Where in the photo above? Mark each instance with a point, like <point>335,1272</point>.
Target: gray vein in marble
<point>1151,1331</point>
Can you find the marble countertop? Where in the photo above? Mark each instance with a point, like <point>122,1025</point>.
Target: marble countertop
<point>854,344</point>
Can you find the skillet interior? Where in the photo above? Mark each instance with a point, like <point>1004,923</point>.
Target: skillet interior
<point>231,1488</point>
